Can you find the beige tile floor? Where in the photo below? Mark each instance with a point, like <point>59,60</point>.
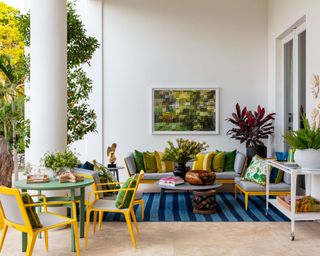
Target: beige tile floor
<point>178,238</point>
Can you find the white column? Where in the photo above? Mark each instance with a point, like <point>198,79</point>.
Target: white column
<point>48,77</point>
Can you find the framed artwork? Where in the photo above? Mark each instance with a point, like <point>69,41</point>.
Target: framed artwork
<point>185,111</point>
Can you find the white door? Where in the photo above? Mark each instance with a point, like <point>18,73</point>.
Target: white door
<point>293,82</point>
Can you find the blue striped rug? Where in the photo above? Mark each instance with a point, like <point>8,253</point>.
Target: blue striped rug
<point>178,207</point>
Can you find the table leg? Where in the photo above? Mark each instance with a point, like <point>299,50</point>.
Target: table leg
<point>293,203</point>
<point>267,188</point>
<point>24,235</point>
<point>73,245</point>
<point>82,195</point>
<point>117,173</point>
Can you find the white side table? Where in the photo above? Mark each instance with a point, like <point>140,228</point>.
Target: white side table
<point>294,170</point>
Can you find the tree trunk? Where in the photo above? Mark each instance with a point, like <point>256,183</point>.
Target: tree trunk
<point>6,164</point>
<point>14,144</point>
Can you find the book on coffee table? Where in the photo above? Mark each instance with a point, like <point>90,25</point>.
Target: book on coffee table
<point>171,181</point>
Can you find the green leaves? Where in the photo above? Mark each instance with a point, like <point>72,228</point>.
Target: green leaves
<point>80,48</point>
<point>58,160</point>
<point>305,138</point>
<point>185,151</point>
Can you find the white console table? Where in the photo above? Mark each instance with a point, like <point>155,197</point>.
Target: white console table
<point>294,170</point>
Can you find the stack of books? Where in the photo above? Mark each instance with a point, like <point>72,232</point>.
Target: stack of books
<point>171,181</point>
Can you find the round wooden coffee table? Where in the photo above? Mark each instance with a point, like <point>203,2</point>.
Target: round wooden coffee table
<point>186,187</point>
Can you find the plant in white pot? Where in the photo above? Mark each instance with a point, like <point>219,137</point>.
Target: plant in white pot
<point>306,143</point>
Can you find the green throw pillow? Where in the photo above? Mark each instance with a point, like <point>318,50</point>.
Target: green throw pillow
<point>138,158</point>
<point>150,163</point>
<point>229,158</point>
<point>218,162</point>
<point>257,171</point>
<point>31,211</point>
<point>124,197</point>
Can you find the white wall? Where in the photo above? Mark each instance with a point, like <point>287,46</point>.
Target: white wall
<point>180,42</point>
<point>281,16</point>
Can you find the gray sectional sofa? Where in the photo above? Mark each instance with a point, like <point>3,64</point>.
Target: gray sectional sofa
<point>223,177</point>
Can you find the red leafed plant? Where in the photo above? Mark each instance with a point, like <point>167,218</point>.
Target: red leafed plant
<point>251,127</point>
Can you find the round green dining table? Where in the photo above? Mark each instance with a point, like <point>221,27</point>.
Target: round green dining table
<point>54,184</point>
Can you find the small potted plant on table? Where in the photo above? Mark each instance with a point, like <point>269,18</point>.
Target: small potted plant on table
<point>60,162</point>
<point>185,151</point>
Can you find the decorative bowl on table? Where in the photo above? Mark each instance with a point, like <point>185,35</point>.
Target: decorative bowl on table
<point>200,177</point>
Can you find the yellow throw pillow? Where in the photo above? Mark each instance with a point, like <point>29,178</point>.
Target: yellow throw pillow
<point>163,166</point>
<point>207,161</point>
<point>198,164</point>
<point>218,162</point>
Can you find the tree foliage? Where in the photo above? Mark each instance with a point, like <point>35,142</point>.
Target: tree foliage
<point>13,72</point>
<point>80,48</point>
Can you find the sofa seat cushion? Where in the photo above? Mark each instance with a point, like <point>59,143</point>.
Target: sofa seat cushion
<point>226,175</point>
<point>250,186</point>
<point>156,176</point>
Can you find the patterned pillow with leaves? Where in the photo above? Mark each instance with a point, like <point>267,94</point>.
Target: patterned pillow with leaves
<point>257,171</point>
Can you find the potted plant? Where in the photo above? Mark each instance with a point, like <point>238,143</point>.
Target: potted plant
<point>252,127</point>
<point>185,151</point>
<point>60,162</point>
<point>306,143</point>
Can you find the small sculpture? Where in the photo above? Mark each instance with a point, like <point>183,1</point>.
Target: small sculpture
<point>111,154</point>
<point>315,86</point>
<point>315,116</point>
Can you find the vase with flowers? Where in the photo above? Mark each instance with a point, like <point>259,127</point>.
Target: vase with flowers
<point>185,151</point>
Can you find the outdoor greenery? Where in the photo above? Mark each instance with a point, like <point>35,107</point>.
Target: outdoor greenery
<point>185,151</point>
<point>184,110</point>
<point>81,119</point>
<point>305,138</point>
<point>13,73</point>
<point>251,127</point>
<point>60,160</point>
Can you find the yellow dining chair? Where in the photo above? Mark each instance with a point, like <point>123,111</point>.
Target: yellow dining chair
<point>100,205</point>
<point>14,214</point>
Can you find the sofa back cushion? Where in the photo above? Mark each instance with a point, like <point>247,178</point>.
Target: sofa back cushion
<point>150,163</point>
<point>130,164</point>
<point>138,158</point>
<point>239,162</point>
<point>218,162</point>
<point>163,166</point>
<point>198,164</point>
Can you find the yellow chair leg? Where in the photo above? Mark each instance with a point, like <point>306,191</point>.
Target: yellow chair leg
<point>134,220</point>
<point>94,221</point>
<point>3,236</point>
<point>87,227</point>
<point>46,236</point>
<point>31,242</point>
<point>100,219</point>
<point>235,191</point>
<point>142,210</point>
<point>128,220</point>
<point>246,200</point>
<point>76,237</point>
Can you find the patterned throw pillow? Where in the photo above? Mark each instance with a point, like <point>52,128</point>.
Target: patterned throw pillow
<point>163,166</point>
<point>31,211</point>
<point>257,171</point>
<point>198,164</point>
<point>124,197</point>
<point>207,161</point>
<point>218,162</point>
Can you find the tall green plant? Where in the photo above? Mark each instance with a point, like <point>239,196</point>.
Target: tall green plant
<point>305,138</point>
<point>80,47</point>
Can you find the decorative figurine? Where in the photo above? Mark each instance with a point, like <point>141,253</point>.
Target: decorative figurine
<point>315,85</point>
<point>111,155</point>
